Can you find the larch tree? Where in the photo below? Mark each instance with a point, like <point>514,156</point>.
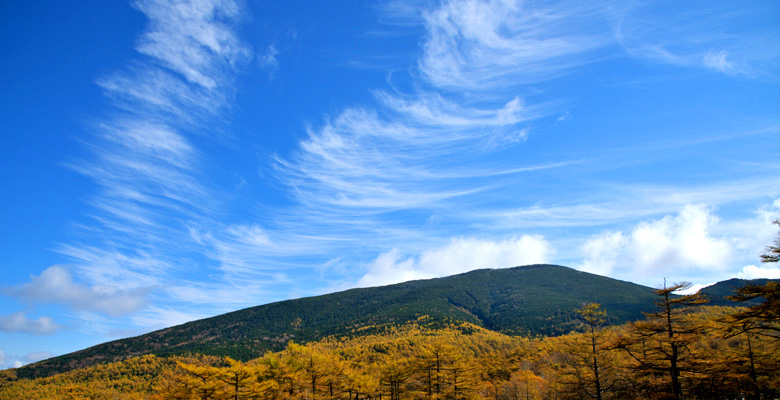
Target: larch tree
<point>239,378</point>
<point>763,318</point>
<point>200,380</point>
<point>585,358</point>
<point>772,252</point>
<point>660,344</point>
<point>758,323</point>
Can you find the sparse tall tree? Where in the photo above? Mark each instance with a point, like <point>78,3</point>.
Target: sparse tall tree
<point>772,253</point>
<point>585,364</point>
<point>757,321</point>
<point>594,318</point>
<point>763,318</point>
<point>660,343</point>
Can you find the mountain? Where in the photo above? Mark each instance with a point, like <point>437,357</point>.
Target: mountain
<point>530,300</point>
<point>718,292</point>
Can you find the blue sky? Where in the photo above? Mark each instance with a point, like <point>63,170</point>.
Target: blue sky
<point>168,161</point>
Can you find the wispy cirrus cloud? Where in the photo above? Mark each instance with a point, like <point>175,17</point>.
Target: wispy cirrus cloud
<point>451,149</point>
<point>147,163</point>
<point>628,202</point>
<point>702,35</point>
<point>422,148</point>
<point>497,44</point>
<point>269,60</point>
<point>194,39</point>
<point>440,174</point>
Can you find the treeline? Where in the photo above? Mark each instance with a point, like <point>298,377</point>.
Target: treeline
<point>683,350</point>
<point>521,301</point>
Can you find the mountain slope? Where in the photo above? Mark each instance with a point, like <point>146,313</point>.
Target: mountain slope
<point>718,292</point>
<point>530,300</point>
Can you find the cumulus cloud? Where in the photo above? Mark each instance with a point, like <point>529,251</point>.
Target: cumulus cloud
<point>753,235</point>
<point>56,285</point>
<point>460,255</point>
<point>754,272</point>
<point>670,245</point>
<point>683,240</point>
<point>602,251</point>
<point>18,322</point>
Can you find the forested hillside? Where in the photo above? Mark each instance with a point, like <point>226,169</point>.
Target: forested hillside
<point>523,301</point>
<point>719,293</point>
<point>427,360</point>
<point>528,301</point>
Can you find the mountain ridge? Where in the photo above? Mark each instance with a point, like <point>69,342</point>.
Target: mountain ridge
<point>532,300</point>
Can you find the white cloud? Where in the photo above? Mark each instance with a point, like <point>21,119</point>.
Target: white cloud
<point>37,356</point>
<point>602,252</point>
<point>425,148</point>
<point>268,59</point>
<point>56,285</point>
<point>362,160</point>
<point>754,272</point>
<point>388,268</point>
<point>717,60</point>
<point>645,31</point>
<point>460,255</point>
<point>243,251</point>
<point>18,322</point>
<point>123,270</point>
<point>13,361</point>
<point>191,39</point>
<point>629,202</point>
<point>433,110</point>
<point>147,161</point>
<point>673,245</point>
<point>681,241</point>
<point>158,318</point>
<point>251,235</point>
<point>473,44</point>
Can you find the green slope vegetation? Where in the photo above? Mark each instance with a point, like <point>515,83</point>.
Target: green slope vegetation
<point>531,300</point>
<point>718,292</point>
